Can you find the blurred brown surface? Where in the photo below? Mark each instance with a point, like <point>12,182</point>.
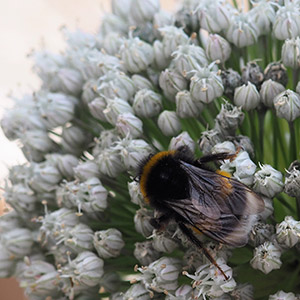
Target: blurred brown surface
<point>10,290</point>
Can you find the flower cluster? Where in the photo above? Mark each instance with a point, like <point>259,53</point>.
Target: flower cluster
<point>212,77</point>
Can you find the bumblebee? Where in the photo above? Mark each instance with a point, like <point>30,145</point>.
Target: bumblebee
<point>197,198</point>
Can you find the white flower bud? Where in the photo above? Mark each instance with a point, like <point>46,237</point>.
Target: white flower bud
<point>161,60</point>
<point>142,221</point>
<point>86,170</point>
<point>18,242</point>
<point>288,232</point>
<point>263,16</point>
<point>97,107</point>
<point>169,123</point>
<point>137,291</point>
<point>281,295</point>
<point>108,243</point>
<point>135,193</point>
<point>162,242</point>
<point>223,147</point>
<point>243,291</point>
<point>186,107</point>
<point>116,84</point>
<point>269,209</point>
<point>129,125</point>
<point>189,58</point>
<point>242,31</point>
<point>141,82</point>
<point>172,38</point>
<point>9,220</point>
<point>136,55</point>
<point>185,16</point>
<point>145,253</point>
<point>292,180</point>
<point>183,139</point>
<point>36,143</point>
<point>260,233</point>
<point>287,23</point>
<point>89,268</point>
<point>269,90</point>
<point>74,139</point>
<point>206,86</point>
<point>55,109</point>
<point>246,96</point>
<point>213,16</point>
<point>287,105</point>
<point>112,23</point>
<point>6,262</point>
<point>66,164</point>
<point>143,10</point>
<point>115,107</point>
<point>268,181</point>
<point>217,48</point>
<point>45,178</point>
<point>78,38</point>
<point>184,292</point>
<point>266,258</point>
<point>109,162</point>
<point>80,238</point>
<point>171,82</point>
<point>112,43</point>
<point>121,8</point>
<point>147,103</point>
<point>161,19</point>
<point>89,91</point>
<point>132,152</point>
<point>21,197</point>
<point>290,53</point>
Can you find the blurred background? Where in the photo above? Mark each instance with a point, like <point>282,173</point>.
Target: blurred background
<point>27,25</point>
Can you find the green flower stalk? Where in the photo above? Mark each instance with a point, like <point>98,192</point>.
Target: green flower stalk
<point>211,77</point>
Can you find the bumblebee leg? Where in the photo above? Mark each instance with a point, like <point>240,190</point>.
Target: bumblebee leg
<point>160,222</point>
<point>195,241</point>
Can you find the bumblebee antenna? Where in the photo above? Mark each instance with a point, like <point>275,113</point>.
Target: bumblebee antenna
<point>195,241</point>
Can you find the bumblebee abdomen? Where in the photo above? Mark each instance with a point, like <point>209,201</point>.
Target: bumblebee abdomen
<point>163,178</point>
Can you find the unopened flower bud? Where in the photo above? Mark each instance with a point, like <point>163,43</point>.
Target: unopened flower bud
<point>142,220</point>
<point>243,291</point>
<point>269,90</point>
<point>86,170</point>
<point>186,107</point>
<point>89,268</point>
<point>206,85</point>
<point>277,72</point>
<point>169,123</point>
<point>242,31</point>
<point>290,53</point>
<point>229,119</point>
<point>184,292</point>
<point>269,209</point>
<point>109,162</point>
<point>292,180</point>
<point>115,107</point>
<point>223,147</point>
<point>121,8</point>
<point>246,96</point>
<point>6,262</point>
<point>141,82</point>
<point>266,258</point>
<point>135,193</point>
<point>89,91</point>
<point>253,72</point>
<point>288,232</point>
<point>161,60</point>
<point>162,242</point>
<point>66,164</point>
<point>112,43</point>
<point>128,124</point>
<point>217,48</point>
<point>142,11</point>
<point>182,140</point>
<point>287,23</point>
<point>18,241</point>
<point>231,80</point>
<point>108,243</point>
<point>268,181</point>
<point>189,58</point>
<point>145,253</point>
<point>287,105</point>
<point>80,238</point>
<point>136,55</point>
<point>260,233</point>
<point>171,82</point>
<point>137,291</point>
<point>172,38</point>
<point>281,295</point>
<point>147,103</point>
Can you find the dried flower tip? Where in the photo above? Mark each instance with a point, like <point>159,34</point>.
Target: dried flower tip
<point>292,180</point>
<point>253,72</point>
<point>288,232</point>
<point>277,72</point>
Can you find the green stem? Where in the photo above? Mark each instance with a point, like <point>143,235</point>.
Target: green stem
<point>295,77</point>
<point>293,143</point>
<point>261,121</point>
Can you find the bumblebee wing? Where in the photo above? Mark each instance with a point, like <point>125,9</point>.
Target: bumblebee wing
<point>213,194</point>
